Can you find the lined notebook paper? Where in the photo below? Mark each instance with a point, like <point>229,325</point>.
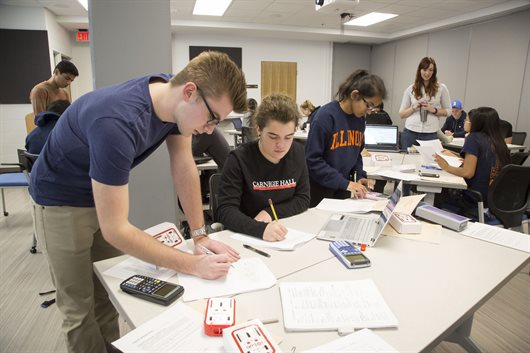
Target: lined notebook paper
<point>317,306</point>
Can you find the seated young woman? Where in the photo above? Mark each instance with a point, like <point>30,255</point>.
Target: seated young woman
<point>484,153</point>
<point>273,167</point>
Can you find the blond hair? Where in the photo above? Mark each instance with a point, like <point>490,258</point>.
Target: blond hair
<point>216,74</point>
<point>279,107</point>
<point>307,104</point>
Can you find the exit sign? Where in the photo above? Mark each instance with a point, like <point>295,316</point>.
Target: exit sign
<point>82,36</point>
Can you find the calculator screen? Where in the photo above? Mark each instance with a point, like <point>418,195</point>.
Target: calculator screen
<point>357,258</point>
<point>165,290</point>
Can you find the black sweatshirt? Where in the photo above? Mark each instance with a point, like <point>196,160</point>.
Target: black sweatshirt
<point>249,180</point>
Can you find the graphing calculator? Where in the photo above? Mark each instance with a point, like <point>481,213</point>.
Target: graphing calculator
<point>349,255</point>
<point>152,289</point>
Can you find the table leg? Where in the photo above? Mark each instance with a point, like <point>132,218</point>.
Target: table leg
<point>462,336</point>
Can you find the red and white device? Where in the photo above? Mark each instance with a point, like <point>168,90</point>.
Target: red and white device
<point>249,337</point>
<point>220,314</point>
<point>166,233</point>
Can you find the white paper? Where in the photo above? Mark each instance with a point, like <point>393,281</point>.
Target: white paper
<point>501,236</point>
<point>426,153</point>
<point>453,161</point>
<point>248,275</point>
<point>436,145</point>
<point>407,204</point>
<point>179,328</point>
<point>363,341</point>
<point>317,306</point>
<point>346,205</point>
<point>293,239</point>
<point>392,174</point>
<point>133,266</point>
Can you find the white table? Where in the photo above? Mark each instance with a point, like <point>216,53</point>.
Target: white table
<point>433,289</point>
<point>458,143</point>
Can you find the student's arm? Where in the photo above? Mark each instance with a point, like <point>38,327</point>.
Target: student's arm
<point>447,125</point>
<point>186,180</point>
<point>467,170</point>
<point>230,193</point>
<point>407,108</point>
<point>112,206</point>
<point>38,97</point>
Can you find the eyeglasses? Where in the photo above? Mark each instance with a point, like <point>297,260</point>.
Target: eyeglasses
<point>369,105</point>
<point>214,121</point>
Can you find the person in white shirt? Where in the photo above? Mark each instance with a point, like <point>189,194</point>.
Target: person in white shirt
<point>424,103</point>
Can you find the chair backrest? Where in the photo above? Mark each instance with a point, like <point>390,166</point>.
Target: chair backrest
<point>518,137</point>
<point>30,122</point>
<point>214,195</point>
<point>26,161</point>
<point>507,195</point>
<point>248,134</point>
<point>238,123</point>
<point>518,158</point>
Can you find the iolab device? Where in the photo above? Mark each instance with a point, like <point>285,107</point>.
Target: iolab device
<point>349,255</point>
<point>152,289</point>
<point>249,337</point>
<point>220,314</point>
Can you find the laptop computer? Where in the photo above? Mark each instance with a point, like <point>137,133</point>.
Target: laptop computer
<point>359,229</point>
<point>381,138</point>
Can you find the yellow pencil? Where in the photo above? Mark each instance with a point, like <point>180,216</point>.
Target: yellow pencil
<point>273,210</point>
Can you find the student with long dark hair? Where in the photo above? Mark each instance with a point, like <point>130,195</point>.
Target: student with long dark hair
<point>484,153</point>
<point>424,103</point>
<point>336,139</point>
<point>273,167</point>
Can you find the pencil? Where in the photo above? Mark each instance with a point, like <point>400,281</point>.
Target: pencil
<point>273,210</point>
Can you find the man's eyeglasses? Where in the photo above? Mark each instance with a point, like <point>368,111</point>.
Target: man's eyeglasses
<point>214,121</point>
<point>369,105</point>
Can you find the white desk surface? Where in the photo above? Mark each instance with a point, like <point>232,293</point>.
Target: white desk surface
<point>208,165</point>
<point>233,132</point>
<point>300,135</point>
<point>431,288</point>
<point>281,263</point>
<point>459,143</point>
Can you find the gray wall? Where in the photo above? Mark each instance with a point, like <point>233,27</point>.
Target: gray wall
<point>346,59</point>
<point>130,39</point>
<point>482,64</point>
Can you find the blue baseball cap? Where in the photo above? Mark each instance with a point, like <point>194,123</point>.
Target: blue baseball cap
<point>456,104</point>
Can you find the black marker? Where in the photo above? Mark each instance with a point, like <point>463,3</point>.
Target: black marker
<point>262,253</point>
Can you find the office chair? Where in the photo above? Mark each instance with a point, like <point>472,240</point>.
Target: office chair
<point>20,179</point>
<point>248,134</point>
<point>215,180</point>
<point>518,158</point>
<point>507,195</point>
<point>518,138</point>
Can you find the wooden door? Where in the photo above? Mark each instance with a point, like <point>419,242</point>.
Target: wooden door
<point>278,77</point>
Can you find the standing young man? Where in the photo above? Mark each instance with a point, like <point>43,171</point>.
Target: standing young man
<point>54,88</point>
<point>80,185</point>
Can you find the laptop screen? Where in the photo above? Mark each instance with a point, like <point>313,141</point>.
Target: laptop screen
<point>381,136</point>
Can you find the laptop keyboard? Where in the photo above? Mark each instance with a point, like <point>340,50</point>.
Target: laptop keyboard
<point>359,230</point>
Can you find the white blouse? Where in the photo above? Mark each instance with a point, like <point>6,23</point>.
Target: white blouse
<point>440,101</point>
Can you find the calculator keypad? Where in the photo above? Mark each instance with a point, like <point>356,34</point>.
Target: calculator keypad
<point>144,284</point>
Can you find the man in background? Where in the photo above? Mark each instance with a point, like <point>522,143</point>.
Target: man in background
<point>54,88</point>
<point>45,122</point>
<point>454,124</point>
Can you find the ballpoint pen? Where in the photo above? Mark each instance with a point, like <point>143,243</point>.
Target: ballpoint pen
<point>262,253</point>
<point>209,252</point>
<point>273,210</point>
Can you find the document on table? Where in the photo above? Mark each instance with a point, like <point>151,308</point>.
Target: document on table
<point>346,205</point>
<point>359,342</point>
<point>407,204</point>
<point>179,328</point>
<point>293,239</point>
<point>133,266</point>
<point>501,236</point>
<point>320,306</point>
<point>436,145</point>
<point>393,174</point>
<point>246,275</point>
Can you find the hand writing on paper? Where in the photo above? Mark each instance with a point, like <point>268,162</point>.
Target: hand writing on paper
<point>217,247</point>
<point>368,183</point>
<point>275,231</point>
<point>357,190</point>
<point>212,266</point>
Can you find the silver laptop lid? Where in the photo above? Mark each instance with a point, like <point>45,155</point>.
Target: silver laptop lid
<point>381,137</point>
<point>384,217</point>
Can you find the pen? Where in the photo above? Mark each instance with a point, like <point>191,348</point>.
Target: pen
<point>273,210</point>
<point>209,252</point>
<point>262,253</point>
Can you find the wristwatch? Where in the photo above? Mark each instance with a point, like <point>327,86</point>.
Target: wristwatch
<point>199,232</point>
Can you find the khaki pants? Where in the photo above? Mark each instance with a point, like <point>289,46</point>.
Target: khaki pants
<point>71,240</point>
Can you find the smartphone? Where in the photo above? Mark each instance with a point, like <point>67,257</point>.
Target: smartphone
<point>430,175</point>
<point>349,255</point>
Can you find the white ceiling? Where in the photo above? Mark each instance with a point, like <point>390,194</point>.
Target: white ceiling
<point>297,19</point>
